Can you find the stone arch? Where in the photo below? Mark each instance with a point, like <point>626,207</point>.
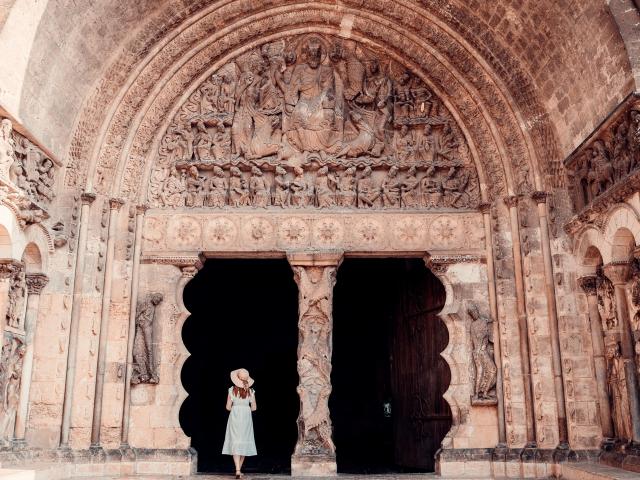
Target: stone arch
<point>622,245</point>
<point>622,216</point>
<point>507,143</point>
<point>6,245</point>
<point>590,244</point>
<point>32,258</point>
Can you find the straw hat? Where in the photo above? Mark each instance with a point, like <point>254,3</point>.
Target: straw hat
<point>241,375</point>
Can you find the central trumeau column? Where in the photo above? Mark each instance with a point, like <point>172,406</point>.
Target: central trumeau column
<point>315,275</point>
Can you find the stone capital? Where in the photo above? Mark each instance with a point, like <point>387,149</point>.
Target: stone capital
<point>87,198</point>
<point>485,207</point>
<point>618,272</point>
<point>142,209</point>
<point>315,259</point>
<point>539,196</point>
<point>511,201</point>
<point>588,284</point>
<point>116,203</point>
<point>36,282</point>
<point>189,271</point>
<point>8,268</point>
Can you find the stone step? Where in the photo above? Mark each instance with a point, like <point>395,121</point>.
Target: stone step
<point>595,471</point>
<point>16,474</point>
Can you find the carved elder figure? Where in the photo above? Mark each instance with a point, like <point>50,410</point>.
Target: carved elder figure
<point>347,188</point>
<point>299,188</point>
<point>391,189</point>
<point>217,188</point>
<point>144,364</point>
<point>238,189</point>
<point>368,192</point>
<point>259,189</point>
<point>409,189</point>
<point>325,188</point>
<point>173,190</point>
<point>281,195</point>
<point>483,361</point>
<point>194,196</point>
<point>202,142</point>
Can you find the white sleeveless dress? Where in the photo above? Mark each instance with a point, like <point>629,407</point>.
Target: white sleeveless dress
<point>239,437</point>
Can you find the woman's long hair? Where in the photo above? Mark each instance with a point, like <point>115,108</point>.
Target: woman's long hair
<point>241,392</point>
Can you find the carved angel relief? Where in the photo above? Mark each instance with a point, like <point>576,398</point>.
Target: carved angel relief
<point>314,121</point>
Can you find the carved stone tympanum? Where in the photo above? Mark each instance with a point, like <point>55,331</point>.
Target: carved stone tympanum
<point>314,451</point>
<point>483,360</point>
<point>144,364</point>
<point>314,121</point>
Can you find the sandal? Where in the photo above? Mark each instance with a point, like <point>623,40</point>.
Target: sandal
<point>239,474</point>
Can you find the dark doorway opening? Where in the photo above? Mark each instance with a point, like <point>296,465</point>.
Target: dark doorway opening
<point>244,314</point>
<point>388,377</point>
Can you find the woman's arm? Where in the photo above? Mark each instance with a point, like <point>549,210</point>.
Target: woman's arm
<point>253,401</point>
<point>229,403</point>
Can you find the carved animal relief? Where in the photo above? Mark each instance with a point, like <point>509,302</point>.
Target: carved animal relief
<point>314,121</point>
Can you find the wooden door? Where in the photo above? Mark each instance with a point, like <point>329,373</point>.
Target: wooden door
<point>419,376</point>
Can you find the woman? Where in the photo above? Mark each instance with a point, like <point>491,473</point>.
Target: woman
<point>241,401</point>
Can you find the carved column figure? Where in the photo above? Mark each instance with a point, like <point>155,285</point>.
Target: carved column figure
<point>523,327</point>
<point>556,356</point>
<point>482,341</point>
<point>485,208</point>
<point>11,361</point>
<point>588,284</point>
<point>114,207</point>
<point>144,363</point>
<point>35,283</point>
<point>619,274</point>
<point>133,296</point>
<point>316,276</point>
<point>87,199</point>
<point>16,300</point>
<point>8,270</point>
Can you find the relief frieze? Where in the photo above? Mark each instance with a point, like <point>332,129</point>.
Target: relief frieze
<point>314,121</point>
<point>249,231</point>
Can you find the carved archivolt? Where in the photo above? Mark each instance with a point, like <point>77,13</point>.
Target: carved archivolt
<point>314,121</point>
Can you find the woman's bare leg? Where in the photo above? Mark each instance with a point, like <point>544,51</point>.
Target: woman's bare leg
<point>241,460</point>
<point>237,462</point>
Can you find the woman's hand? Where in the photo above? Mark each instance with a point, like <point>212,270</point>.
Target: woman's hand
<point>229,403</point>
<point>253,402</point>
